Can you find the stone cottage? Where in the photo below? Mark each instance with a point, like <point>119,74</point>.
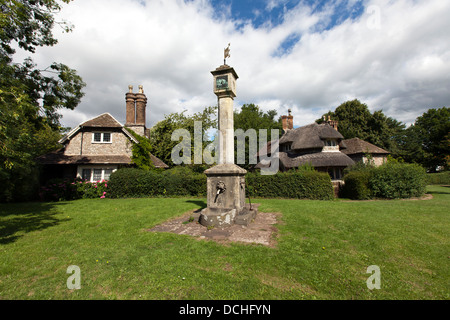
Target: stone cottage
<point>322,146</point>
<point>360,150</point>
<point>319,145</point>
<point>99,146</point>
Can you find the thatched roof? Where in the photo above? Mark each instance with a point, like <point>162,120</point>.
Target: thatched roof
<point>311,136</point>
<point>317,159</point>
<point>358,146</point>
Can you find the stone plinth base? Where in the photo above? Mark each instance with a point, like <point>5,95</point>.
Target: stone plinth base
<point>246,216</point>
<point>211,217</point>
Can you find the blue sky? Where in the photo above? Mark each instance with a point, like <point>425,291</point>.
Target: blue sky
<point>308,56</point>
<point>263,12</point>
<point>271,13</point>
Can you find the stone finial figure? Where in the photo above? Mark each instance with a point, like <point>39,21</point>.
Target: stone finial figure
<point>130,88</point>
<point>141,89</point>
<point>226,54</point>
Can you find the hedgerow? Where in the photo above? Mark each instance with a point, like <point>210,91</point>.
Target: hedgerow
<point>181,181</point>
<point>392,180</point>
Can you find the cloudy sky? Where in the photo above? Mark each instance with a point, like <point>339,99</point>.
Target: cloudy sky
<point>308,55</point>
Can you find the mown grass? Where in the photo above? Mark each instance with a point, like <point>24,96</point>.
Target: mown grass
<point>323,251</point>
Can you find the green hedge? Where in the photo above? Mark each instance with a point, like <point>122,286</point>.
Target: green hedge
<point>398,180</point>
<point>390,181</point>
<point>181,181</point>
<point>132,182</point>
<point>298,185</point>
<point>439,178</point>
<point>357,185</point>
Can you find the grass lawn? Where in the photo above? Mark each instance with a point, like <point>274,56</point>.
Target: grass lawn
<point>323,251</point>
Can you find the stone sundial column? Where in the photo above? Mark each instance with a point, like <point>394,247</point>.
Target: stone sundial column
<point>225,88</point>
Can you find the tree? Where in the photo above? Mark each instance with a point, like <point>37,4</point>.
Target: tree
<point>432,130</point>
<point>252,117</point>
<point>356,120</point>
<point>30,98</point>
<point>161,133</point>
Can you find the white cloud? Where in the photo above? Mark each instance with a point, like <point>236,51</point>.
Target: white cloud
<point>170,47</point>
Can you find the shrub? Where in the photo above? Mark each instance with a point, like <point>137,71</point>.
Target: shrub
<point>132,182</point>
<point>64,189</point>
<point>356,185</point>
<point>391,180</point>
<point>439,178</point>
<point>302,184</point>
<point>398,180</point>
<point>183,181</point>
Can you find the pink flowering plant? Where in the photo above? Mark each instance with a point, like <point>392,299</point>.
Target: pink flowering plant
<point>64,189</point>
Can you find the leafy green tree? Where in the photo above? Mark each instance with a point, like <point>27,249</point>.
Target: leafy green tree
<point>432,131</point>
<point>161,133</point>
<point>356,120</point>
<point>252,117</point>
<point>30,98</point>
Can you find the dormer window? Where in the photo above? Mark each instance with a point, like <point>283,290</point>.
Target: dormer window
<point>101,137</point>
<point>286,147</point>
<point>330,145</point>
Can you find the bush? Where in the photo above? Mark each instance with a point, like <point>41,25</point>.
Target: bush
<point>132,182</point>
<point>64,189</point>
<point>356,185</point>
<point>302,184</point>
<point>391,180</point>
<point>398,180</point>
<point>439,178</point>
<point>183,181</point>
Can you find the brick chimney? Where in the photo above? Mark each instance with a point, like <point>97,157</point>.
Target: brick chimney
<point>333,123</point>
<point>130,98</point>
<point>284,122</point>
<point>136,104</point>
<point>290,120</point>
<point>287,122</point>
<point>141,104</point>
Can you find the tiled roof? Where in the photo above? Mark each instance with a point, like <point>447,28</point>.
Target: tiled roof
<point>104,120</point>
<point>58,157</point>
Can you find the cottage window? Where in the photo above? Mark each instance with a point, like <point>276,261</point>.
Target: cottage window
<point>331,143</point>
<point>101,137</point>
<point>97,174</point>
<point>86,174</point>
<point>97,137</point>
<point>106,137</point>
<point>335,173</point>
<point>107,174</point>
<point>286,147</point>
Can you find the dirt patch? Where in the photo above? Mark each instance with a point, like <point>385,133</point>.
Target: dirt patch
<point>261,230</point>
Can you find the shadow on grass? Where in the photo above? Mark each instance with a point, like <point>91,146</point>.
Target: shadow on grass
<point>200,203</point>
<point>19,218</point>
<point>443,189</point>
